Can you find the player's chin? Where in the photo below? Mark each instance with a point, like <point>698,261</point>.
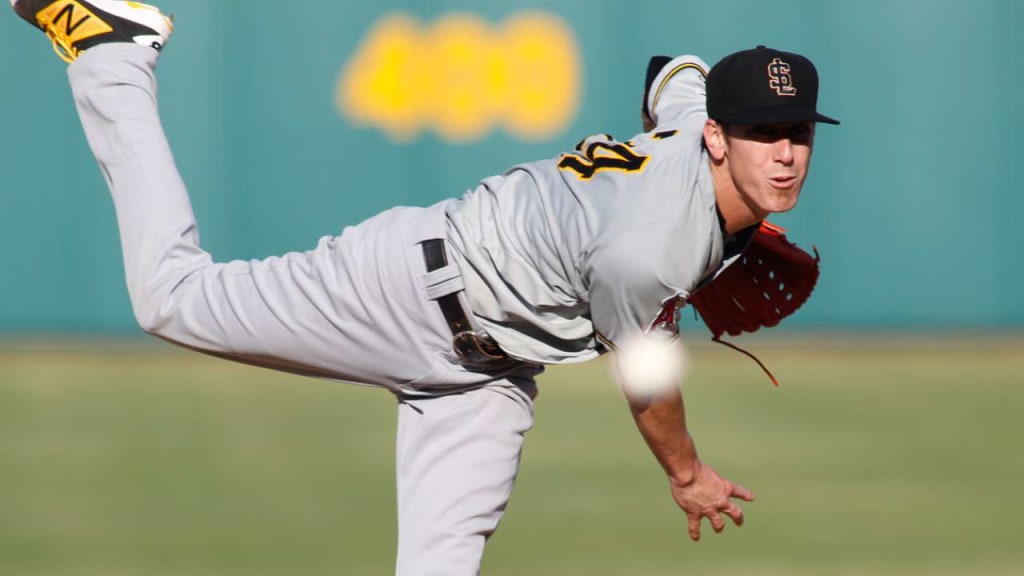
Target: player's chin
<point>782,200</point>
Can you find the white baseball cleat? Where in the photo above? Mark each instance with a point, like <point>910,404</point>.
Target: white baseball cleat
<point>77,25</point>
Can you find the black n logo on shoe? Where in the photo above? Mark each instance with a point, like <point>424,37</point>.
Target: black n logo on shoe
<point>72,20</point>
<point>68,12</point>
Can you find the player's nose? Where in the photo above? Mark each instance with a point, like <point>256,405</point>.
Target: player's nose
<point>782,151</point>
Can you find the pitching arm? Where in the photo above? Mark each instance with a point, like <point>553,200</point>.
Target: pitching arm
<point>661,421</point>
<point>624,300</point>
<point>696,487</point>
<point>675,91</point>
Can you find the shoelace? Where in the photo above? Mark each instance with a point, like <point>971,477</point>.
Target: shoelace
<point>64,50</point>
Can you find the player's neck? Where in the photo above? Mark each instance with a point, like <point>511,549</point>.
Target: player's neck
<point>732,206</point>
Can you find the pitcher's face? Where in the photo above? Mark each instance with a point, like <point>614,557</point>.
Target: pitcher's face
<point>769,162</point>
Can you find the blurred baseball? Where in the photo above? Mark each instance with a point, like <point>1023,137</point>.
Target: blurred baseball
<point>650,366</point>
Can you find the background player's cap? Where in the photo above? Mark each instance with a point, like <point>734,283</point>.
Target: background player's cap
<point>763,86</point>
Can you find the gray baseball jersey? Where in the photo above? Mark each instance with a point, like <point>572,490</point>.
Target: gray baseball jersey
<point>551,258</point>
<point>561,256</point>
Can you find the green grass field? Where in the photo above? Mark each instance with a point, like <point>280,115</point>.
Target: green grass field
<point>875,456</point>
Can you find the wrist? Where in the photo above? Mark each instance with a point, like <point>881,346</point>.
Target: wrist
<point>685,466</point>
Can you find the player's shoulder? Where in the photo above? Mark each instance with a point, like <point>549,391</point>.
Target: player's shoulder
<point>682,72</point>
<point>673,140</point>
<point>677,90</point>
<point>674,149</point>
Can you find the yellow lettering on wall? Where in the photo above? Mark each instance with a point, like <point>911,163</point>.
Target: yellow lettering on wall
<point>460,46</point>
<point>384,83</point>
<point>462,77</point>
<point>544,73</point>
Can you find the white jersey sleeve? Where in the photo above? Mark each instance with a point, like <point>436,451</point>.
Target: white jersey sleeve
<point>678,92</point>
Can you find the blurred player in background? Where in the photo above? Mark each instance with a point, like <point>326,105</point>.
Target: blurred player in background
<point>455,308</point>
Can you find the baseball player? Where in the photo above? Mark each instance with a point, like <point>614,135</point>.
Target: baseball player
<point>455,308</point>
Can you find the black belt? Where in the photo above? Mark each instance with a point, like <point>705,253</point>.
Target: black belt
<point>471,347</point>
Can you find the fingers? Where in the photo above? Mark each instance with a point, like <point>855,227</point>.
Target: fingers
<point>741,493</point>
<point>717,524</point>
<point>694,526</point>
<point>712,500</point>
<point>735,512</point>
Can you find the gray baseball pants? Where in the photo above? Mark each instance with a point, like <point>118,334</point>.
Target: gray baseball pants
<point>357,308</point>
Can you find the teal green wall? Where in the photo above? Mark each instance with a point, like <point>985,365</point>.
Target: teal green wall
<point>912,202</point>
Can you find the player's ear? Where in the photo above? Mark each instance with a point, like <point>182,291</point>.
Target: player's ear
<point>714,140</point>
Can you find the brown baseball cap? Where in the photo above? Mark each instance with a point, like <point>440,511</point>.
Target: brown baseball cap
<point>764,86</point>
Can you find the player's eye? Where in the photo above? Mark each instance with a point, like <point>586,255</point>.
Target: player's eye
<point>800,132</point>
<point>768,133</point>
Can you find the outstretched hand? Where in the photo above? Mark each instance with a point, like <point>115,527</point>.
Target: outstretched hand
<point>709,495</point>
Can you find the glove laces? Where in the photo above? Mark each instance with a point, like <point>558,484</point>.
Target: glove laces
<point>749,355</point>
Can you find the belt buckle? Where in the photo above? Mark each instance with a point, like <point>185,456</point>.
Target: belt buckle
<point>474,349</point>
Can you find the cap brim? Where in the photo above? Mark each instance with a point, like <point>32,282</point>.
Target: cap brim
<point>774,115</point>
<point>825,119</point>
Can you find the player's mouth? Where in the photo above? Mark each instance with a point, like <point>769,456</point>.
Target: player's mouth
<point>782,182</point>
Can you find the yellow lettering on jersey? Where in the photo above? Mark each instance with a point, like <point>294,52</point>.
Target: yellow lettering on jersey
<point>73,21</point>
<point>600,156</point>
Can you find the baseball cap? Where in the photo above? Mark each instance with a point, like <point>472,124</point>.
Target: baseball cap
<point>763,86</point>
